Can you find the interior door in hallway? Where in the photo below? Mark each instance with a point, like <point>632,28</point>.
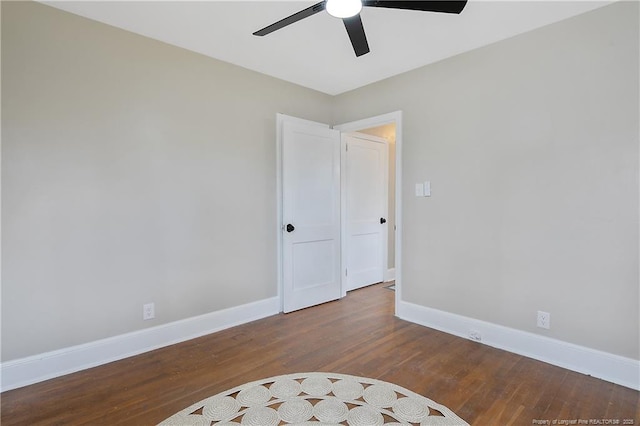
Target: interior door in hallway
<point>311,257</point>
<point>366,209</point>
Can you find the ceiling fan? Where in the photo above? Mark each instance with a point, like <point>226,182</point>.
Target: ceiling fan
<point>349,12</point>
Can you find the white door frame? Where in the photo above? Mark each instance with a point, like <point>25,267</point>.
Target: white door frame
<point>353,126</point>
<point>380,120</point>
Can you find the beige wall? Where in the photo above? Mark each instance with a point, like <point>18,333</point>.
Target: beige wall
<point>132,171</point>
<point>531,146</point>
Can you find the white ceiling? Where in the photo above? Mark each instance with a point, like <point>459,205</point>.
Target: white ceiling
<point>316,52</point>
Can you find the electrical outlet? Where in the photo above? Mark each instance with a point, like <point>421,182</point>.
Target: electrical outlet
<point>148,311</point>
<point>475,335</point>
<point>544,320</point>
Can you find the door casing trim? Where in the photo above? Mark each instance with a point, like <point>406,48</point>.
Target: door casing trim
<point>394,117</point>
<point>353,126</point>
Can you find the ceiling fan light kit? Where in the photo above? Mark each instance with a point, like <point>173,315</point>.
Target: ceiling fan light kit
<point>349,12</point>
<point>343,8</point>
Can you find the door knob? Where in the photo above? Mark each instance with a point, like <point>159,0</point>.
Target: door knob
<point>290,227</point>
<point>383,220</point>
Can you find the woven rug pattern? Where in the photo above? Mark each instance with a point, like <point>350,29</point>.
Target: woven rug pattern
<point>327,399</point>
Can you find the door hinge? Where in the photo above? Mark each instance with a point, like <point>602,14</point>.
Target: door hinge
<point>346,272</point>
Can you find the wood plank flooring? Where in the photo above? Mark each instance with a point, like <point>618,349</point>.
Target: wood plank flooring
<point>357,335</point>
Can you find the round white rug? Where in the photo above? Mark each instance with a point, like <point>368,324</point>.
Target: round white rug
<point>316,399</point>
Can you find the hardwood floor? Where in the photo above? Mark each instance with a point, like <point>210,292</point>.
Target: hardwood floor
<point>357,335</point>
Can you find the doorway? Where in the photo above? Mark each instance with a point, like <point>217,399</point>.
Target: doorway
<point>391,122</point>
<point>389,127</point>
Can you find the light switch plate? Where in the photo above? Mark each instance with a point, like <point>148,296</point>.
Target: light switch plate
<point>419,190</point>
<point>427,189</point>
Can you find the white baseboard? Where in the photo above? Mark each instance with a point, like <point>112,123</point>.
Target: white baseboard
<point>603,365</point>
<point>390,275</point>
<point>37,368</point>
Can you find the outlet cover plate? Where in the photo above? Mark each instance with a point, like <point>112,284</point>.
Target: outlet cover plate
<point>544,320</point>
<point>148,311</point>
<point>475,335</point>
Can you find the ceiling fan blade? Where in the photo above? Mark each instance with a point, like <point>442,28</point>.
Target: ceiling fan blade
<point>305,13</point>
<point>356,34</point>
<point>445,6</point>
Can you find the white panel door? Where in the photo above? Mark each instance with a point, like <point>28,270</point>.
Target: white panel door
<point>311,215</point>
<point>366,210</point>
